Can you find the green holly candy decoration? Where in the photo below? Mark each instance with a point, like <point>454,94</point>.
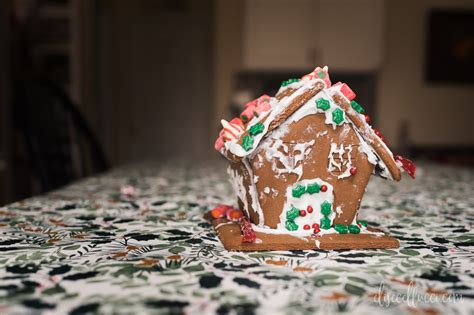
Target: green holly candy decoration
<point>321,75</point>
<point>256,129</point>
<point>247,143</point>
<point>354,229</point>
<point>341,229</point>
<point>326,208</point>
<point>298,191</point>
<point>325,223</point>
<point>356,106</point>
<point>289,81</point>
<point>292,214</point>
<point>291,226</point>
<point>313,188</point>
<point>323,104</point>
<point>337,116</point>
<point>362,222</point>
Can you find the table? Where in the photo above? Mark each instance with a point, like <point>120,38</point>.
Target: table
<point>87,248</point>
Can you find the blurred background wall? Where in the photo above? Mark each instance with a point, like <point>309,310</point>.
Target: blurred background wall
<point>152,78</point>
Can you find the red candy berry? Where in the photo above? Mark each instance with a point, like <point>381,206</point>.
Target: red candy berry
<point>248,234</point>
<point>377,132</point>
<point>353,170</point>
<point>302,213</point>
<point>316,228</point>
<point>324,188</point>
<point>306,227</point>
<point>309,209</point>
<point>367,118</point>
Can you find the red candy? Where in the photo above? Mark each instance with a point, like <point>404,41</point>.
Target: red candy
<point>248,234</point>
<point>407,165</point>
<point>220,211</point>
<point>324,188</point>
<point>302,213</point>
<point>234,214</point>
<point>306,227</point>
<point>353,170</point>
<point>255,107</point>
<point>346,90</point>
<point>316,228</point>
<point>367,118</point>
<point>309,209</point>
<point>319,73</point>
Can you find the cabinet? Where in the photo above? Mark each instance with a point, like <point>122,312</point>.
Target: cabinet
<point>293,35</point>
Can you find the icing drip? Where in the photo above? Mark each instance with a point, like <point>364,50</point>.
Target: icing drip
<point>289,155</point>
<point>337,161</point>
<point>237,182</point>
<point>253,194</point>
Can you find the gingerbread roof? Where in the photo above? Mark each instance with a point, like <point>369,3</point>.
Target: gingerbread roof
<point>335,101</point>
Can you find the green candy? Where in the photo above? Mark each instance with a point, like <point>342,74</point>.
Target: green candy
<point>362,222</point>
<point>325,223</point>
<point>313,188</point>
<point>291,226</point>
<point>247,143</point>
<point>326,208</point>
<point>356,106</point>
<point>354,229</point>
<point>341,229</point>
<point>323,104</point>
<point>289,81</point>
<point>321,75</point>
<point>298,191</point>
<point>256,129</point>
<point>337,116</point>
<point>292,214</point>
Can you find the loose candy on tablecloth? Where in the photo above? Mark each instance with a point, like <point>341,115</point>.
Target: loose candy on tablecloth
<point>128,191</point>
<point>407,165</point>
<point>319,73</point>
<point>234,214</point>
<point>248,234</point>
<point>220,211</point>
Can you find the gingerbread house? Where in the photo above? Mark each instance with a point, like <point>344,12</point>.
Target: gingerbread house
<point>299,165</point>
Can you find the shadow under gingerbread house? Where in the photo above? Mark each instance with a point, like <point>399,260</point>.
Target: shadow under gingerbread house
<point>299,165</point>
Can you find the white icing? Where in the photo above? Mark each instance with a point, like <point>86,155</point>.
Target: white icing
<point>253,194</point>
<point>237,183</point>
<point>337,161</point>
<point>266,190</point>
<point>289,155</point>
<point>314,200</point>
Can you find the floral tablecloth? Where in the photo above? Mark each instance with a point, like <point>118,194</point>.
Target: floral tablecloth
<point>88,249</point>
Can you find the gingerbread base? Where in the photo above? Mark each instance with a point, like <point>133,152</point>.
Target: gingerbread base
<point>231,238</point>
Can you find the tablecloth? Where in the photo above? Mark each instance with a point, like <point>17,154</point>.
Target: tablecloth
<point>88,248</point>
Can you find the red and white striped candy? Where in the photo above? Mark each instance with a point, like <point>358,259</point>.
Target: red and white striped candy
<point>316,75</point>
<point>232,129</point>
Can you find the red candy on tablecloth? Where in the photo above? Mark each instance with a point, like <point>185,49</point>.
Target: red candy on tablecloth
<point>220,211</point>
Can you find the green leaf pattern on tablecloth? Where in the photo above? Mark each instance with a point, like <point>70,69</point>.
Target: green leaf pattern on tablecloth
<point>85,248</point>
